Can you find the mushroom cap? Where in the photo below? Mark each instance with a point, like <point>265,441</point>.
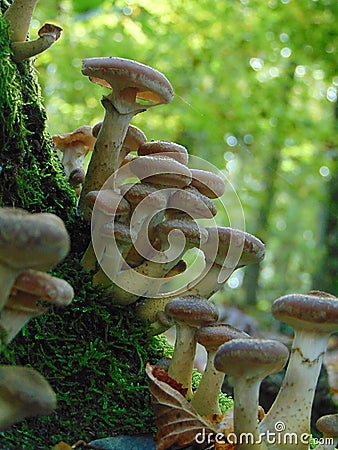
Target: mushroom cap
<point>161,170</point>
<point>179,268</point>
<point>46,287</point>
<point>171,149</point>
<point>117,230</point>
<point>208,183</point>
<point>81,137</point>
<point>108,201</point>
<point>191,310</point>
<point>190,201</point>
<point>216,334</point>
<point>315,311</point>
<point>24,389</point>
<point>194,233</point>
<point>37,241</point>
<point>240,247</point>
<point>328,425</point>
<point>136,193</point>
<point>120,74</point>
<point>251,358</point>
<point>77,177</point>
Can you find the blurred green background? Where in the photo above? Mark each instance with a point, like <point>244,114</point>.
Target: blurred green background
<point>255,95</point>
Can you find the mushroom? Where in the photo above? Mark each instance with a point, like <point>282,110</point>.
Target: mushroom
<point>166,148</point>
<point>29,289</point>
<point>135,88</point>
<point>205,399</point>
<point>23,393</point>
<point>188,313</point>
<point>208,183</point>
<point>328,426</point>
<point>74,147</point>
<point>248,362</point>
<point>28,241</point>
<point>225,250</point>
<point>48,34</point>
<point>19,15</point>
<point>314,316</point>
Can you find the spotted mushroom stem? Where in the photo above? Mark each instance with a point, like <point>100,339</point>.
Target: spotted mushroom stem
<point>298,388</point>
<point>19,15</point>
<point>205,399</point>
<point>105,159</point>
<point>184,350</point>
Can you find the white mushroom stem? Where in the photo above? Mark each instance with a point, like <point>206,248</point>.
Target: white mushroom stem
<point>210,283</point>
<point>26,49</point>
<point>205,399</point>
<point>293,403</point>
<point>19,15</point>
<point>105,158</point>
<point>246,392</point>
<point>182,362</point>
<point>73,158</point>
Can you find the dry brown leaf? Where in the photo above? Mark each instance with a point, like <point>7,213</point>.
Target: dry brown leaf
<point>62,446</point>
<point>177,421</point>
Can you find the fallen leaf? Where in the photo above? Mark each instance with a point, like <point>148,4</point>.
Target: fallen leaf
<point>62,446</point>
<point>177,421</point>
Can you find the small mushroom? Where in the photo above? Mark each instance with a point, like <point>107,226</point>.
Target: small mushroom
<point>135,88</point>
<point>23,393</point>
<point>328,426</point>
<point>74,147</point>
<point>248,362</point>
<point>48,34</point>
<point>28,241</point>
<point>30,288</point>
<point>188,313</point>
<point>205,399</point>
<point>314,317</point>
<point>208,183</point>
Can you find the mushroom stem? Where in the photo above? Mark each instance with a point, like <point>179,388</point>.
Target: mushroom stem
<point>26,49</point>
<point>298,388</point>
<point>184,350</point>
<point>19,15</point>
<point>105,158</point>
<point>7,276</point>
<point>205,399</point>
<point>246,394</point>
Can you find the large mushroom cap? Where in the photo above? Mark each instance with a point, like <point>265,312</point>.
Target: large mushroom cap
<point>239,247</point>
<point>23,393</point>
<point>192,310</point>
<point>38,241</point>
<point>190,201</point>
<point>251,357</point>
<point>119,74</point>
<point>193,233</point>
<point>316,310</point>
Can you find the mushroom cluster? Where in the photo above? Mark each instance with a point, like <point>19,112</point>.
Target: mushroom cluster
<point>30,245</point>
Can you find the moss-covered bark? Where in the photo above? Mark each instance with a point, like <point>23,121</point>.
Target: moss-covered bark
<point>92,353</point>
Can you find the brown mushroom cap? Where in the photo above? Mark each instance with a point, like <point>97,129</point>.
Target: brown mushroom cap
<point>108,202</point>
<point>82,136</point>
<point>171,149</point>
<point>208,183</point>
<point>37,241</point>
<point>161,171</point>
<point>214,335</point>
<point>190,201</point>
<point>77,177</point>
<point>117,230</point>
<point>45,287</point>
<point>316,310</point>
<point>194,234</point>
<point>192,310</point>
<point>251,357</point>
<point>136,193</point>
<point>121,74</point>
<point>248,248</point>
<point>328,425</point>
<point>24,393</point>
